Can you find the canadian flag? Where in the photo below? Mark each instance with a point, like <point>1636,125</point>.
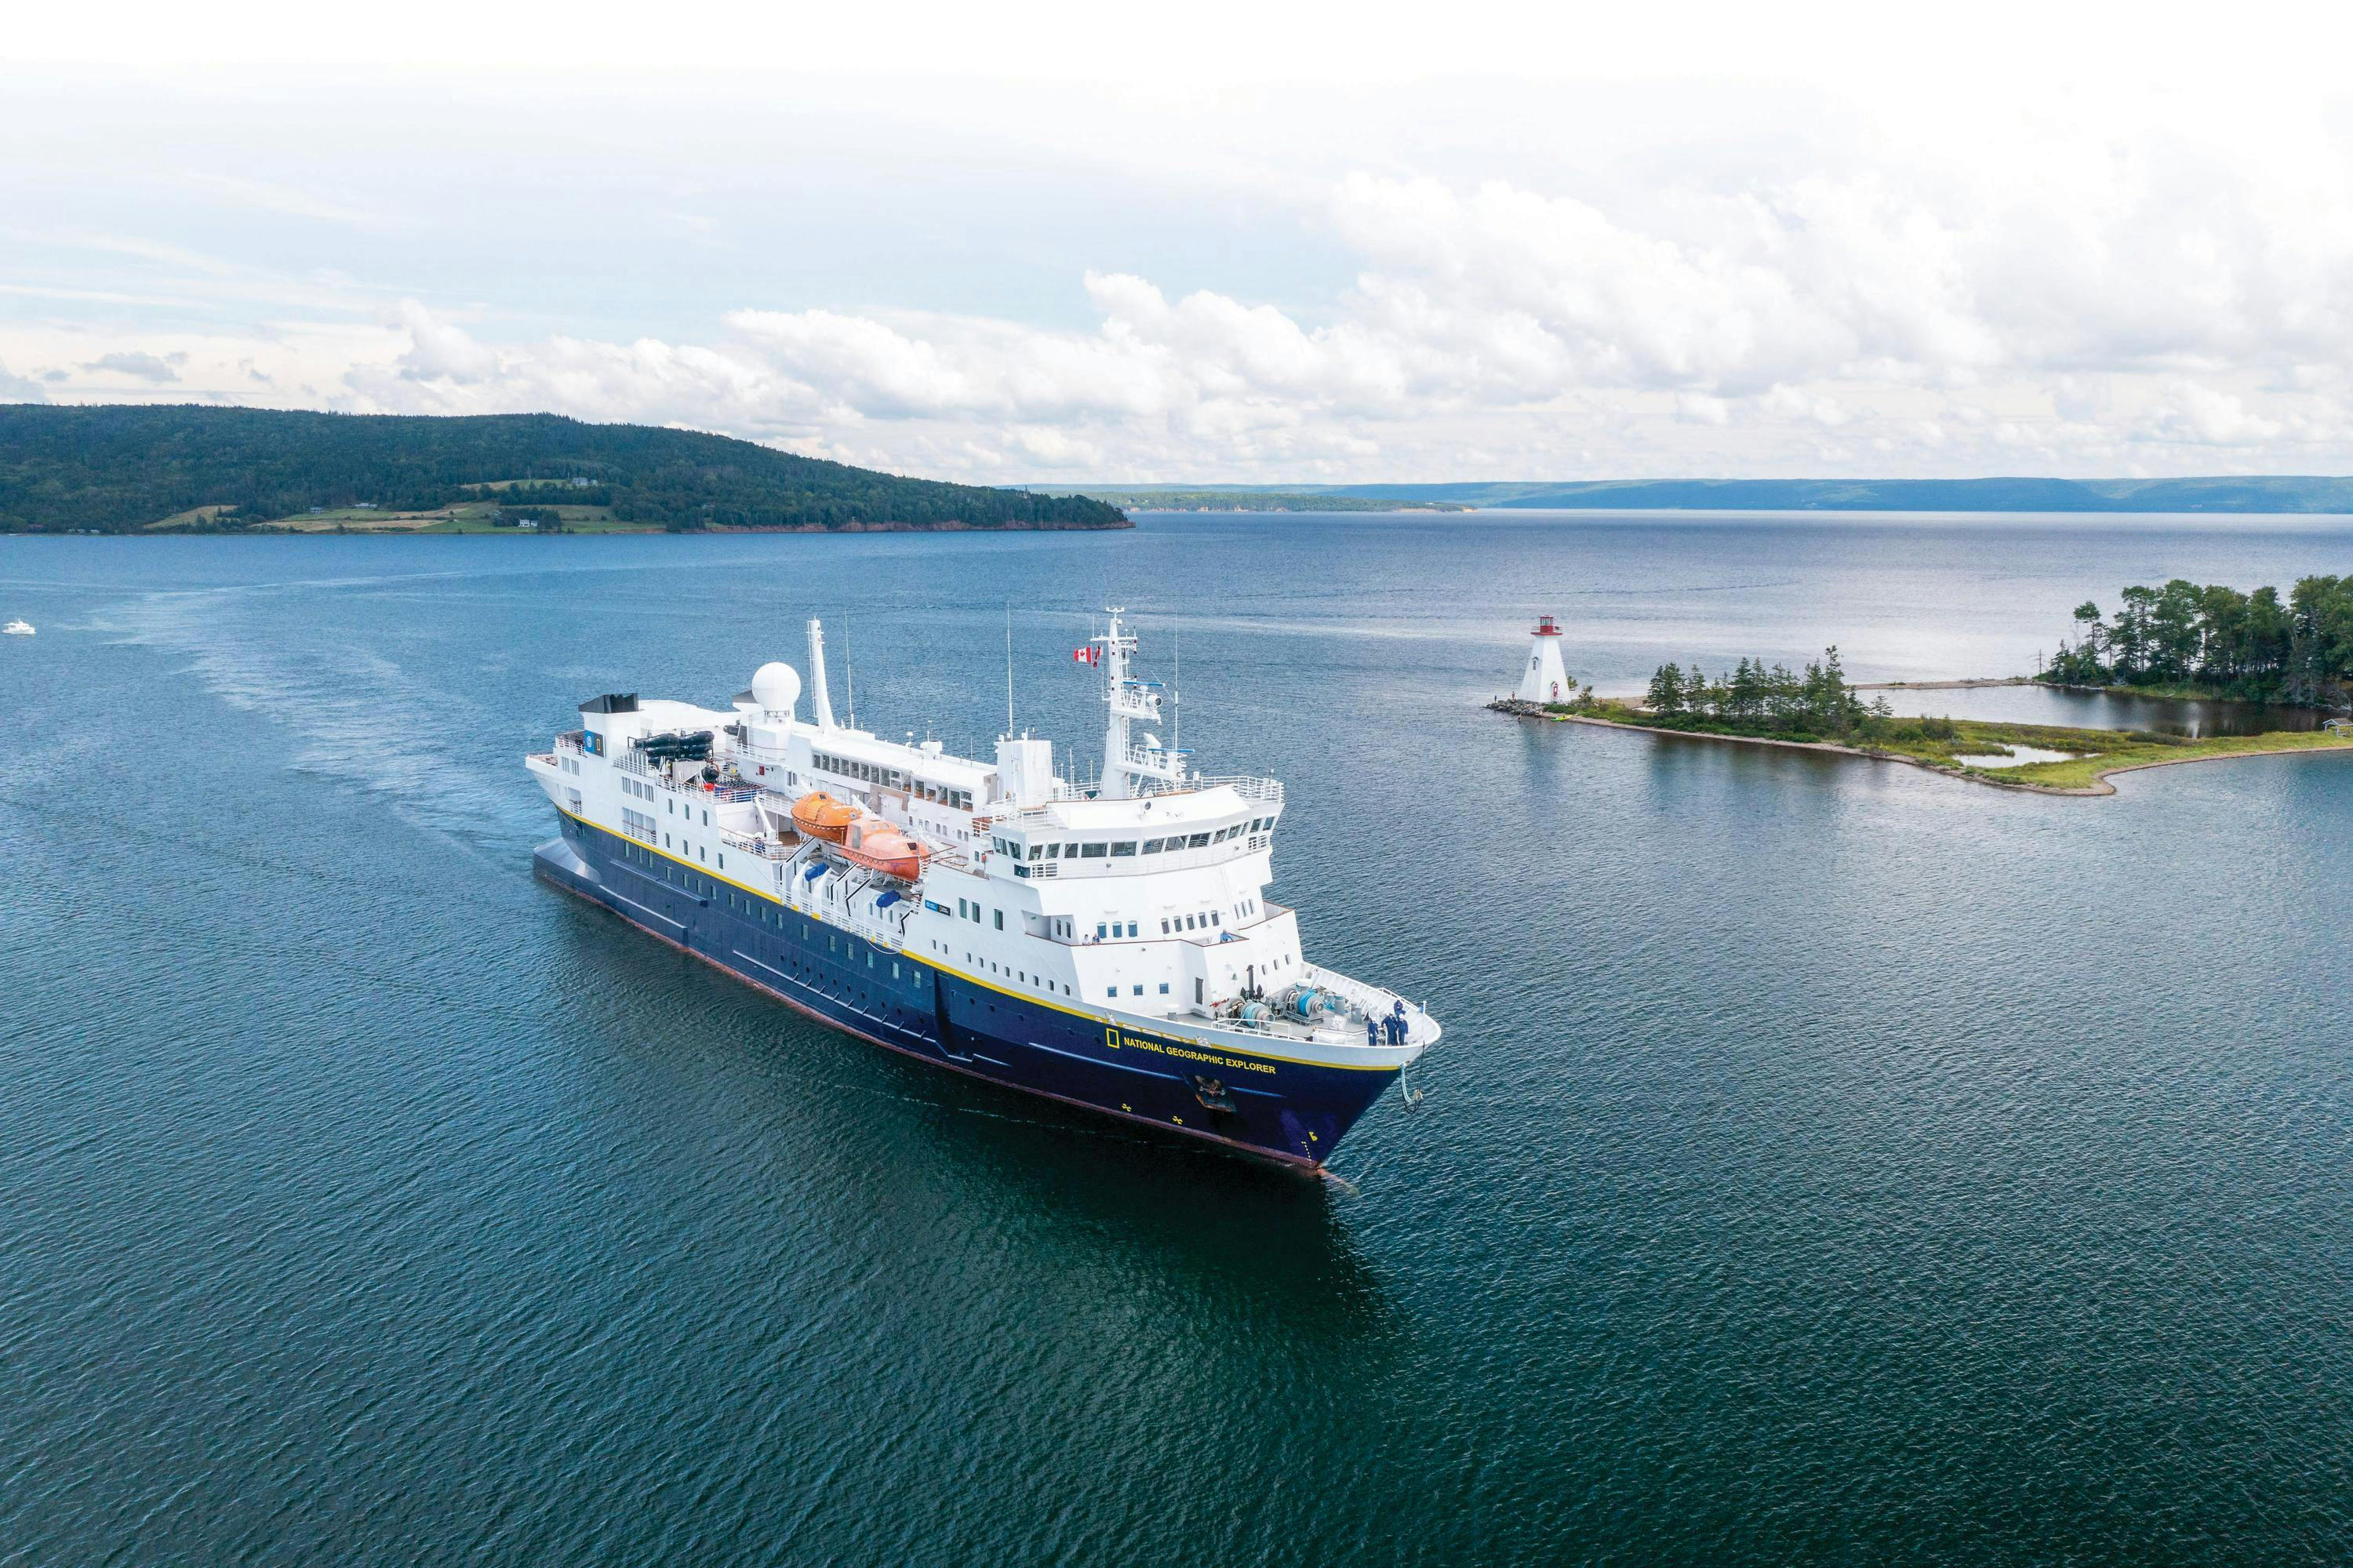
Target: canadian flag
<point>1088,655</point>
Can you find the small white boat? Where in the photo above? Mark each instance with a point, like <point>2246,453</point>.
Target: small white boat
<point>17,628</point>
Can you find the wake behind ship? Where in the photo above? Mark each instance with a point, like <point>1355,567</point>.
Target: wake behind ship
<point>1109,945</point>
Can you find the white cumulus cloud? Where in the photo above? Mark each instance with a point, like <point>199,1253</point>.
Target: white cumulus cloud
<point>2026,287</point>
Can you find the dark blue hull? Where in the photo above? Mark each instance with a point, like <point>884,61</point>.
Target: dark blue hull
<point>1267,1105</point>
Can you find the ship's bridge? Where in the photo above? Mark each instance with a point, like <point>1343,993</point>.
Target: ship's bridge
<point>1178,831</point>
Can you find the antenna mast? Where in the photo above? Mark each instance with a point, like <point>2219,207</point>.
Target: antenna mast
<point>1008,667</point>
<point>849,672</point>
<point>1176,694</point>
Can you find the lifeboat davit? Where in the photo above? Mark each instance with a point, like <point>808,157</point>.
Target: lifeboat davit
<point>819,815</point>
<point>879,844</point>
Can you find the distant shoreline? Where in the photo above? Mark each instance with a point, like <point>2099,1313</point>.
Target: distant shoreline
<point>2212,495</point>
<point>1967,685</point>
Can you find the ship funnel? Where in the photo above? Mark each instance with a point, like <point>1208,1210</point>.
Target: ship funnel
<point>1025,769</point>
<point>819,697</point>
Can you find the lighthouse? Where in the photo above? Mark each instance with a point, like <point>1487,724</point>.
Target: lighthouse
<point>1542,678</point>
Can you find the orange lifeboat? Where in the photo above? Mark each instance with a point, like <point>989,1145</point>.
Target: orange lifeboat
<point>879,845</point>
<point>819,815</point>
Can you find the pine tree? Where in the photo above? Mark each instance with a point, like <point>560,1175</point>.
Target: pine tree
<point>1665,695</point>
<point>1743,693</point>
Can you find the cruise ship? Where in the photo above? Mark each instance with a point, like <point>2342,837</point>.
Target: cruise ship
<point>1106,943</point>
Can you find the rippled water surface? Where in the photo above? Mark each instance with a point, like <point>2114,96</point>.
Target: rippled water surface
<point>1825,1161</point>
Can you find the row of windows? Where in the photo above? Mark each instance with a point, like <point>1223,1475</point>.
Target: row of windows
<point>1060,850</point>
<point>643,827</point>
<point>642,791</point>
<point>1112,930</point>
<point>809,971</point>
<point>1109,930</point>
<point>758,909</point>
<point>893,778</point>
<point>670,870</point>
<point>1174,924</point>
<point>1021,976</point>
<point>768,914</point>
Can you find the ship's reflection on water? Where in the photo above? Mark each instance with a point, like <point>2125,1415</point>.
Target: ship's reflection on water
<point>864,1138</point>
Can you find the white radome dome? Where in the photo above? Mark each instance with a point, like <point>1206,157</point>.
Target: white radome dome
<point>776,686</point>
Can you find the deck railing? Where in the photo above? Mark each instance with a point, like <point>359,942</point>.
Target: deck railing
<point>766,847</point>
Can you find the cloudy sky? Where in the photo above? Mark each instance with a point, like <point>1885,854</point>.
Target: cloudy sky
<point>1217,242</point>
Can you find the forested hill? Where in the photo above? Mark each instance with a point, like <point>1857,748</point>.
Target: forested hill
<point>119,468</point>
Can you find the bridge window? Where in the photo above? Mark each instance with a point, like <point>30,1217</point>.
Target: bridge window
<point>1151,846</point>
<point>1198,841</point>
<point>1054,851</point>
<point>1127,848</point>
<point>1093,851</point>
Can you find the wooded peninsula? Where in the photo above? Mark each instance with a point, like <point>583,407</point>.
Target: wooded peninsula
<point>1816,709</point>
<point>117,468</point>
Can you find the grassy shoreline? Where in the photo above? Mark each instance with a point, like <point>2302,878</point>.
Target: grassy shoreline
<point>2096,753</point>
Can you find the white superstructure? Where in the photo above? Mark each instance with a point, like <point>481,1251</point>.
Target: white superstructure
<point>1139,898</point>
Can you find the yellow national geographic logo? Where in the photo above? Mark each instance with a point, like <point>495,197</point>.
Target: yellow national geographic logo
<point>1118,1039</point>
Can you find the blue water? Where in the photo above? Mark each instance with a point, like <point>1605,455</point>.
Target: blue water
<point>1825,1161</point>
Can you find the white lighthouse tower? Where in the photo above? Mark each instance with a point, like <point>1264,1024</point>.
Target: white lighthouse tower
<point>1543,679</point>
